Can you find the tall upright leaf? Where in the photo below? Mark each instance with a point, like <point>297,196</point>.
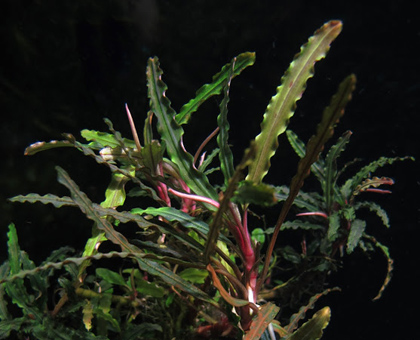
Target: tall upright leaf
<point>225,154</point>
<point>282,106</point>
<point>171,132</point>
<point>324,132</point>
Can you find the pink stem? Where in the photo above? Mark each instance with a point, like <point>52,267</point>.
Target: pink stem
<point>194,197</point>
<point>314,213</point>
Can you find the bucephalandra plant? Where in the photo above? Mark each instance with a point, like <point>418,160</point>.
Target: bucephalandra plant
<point>195,268</point>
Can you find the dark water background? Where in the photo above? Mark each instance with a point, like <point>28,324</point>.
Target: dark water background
<point>65,65</point>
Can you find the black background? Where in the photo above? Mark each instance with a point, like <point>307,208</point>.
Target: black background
<point>65,65</point>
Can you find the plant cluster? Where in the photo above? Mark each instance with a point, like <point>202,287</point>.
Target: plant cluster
<point>196,267</point>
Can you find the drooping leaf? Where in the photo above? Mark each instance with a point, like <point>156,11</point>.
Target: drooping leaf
<point>42,146</point>
<point>282,105</point>
<point>390,261</point>
<point>171,132</point>
<point>216,86</point>
<point>374,207</point>
<point>262,320</point>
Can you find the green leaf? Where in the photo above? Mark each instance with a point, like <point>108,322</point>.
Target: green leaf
<point>171,132</point>
<point>312,329</point>
<point>115,193</point>
<point>333,226</point>
<point>194,275</point>
<point>261,321</point>
<point>258,235</point>
<point>148,288</point>
<point>110,276</point>
<point>216,86</point>
<point>259,194</point>
<point>282,105</point>
<point>356,232</point>
<point>152,155</point>
<point>100,140</point>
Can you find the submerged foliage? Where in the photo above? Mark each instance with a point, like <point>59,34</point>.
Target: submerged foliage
<point>195,268</point>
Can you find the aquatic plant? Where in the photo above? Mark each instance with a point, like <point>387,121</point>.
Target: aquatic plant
<point>197,267</point>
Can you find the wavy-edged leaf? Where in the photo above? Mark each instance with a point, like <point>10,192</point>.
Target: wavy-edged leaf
<point>225,154</point>
<point>390,261</point>
<point>261,321</point>
<point>348,188</point>
<point>303,225</point>
<point>42,146</point>
<point>329,187</point>
<point>370,183</point>
<point>356,232</point>
<point>171,132</point>
<point>243,60</point>
<point>313,329</point>
<point>282,105</point>
<point>57,201</point>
